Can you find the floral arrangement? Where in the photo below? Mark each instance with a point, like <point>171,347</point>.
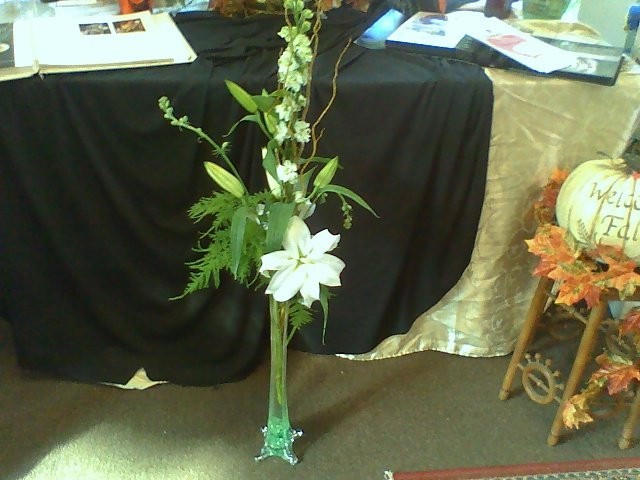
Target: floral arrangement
<point>582,275</point>
<point>261,238</point>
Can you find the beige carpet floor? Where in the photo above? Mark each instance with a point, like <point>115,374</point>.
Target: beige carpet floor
<point>428,410</point>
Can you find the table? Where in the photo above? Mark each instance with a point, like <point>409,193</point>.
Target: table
<point>96,185</point>
<point>538,124</point>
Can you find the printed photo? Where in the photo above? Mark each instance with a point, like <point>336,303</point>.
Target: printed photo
<point>514,44</point>
<point>431,25</point>
<point>94,28</point>
<point>128,26</point>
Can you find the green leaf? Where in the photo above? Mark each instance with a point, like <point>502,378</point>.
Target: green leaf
<point>238,225</point>
<point>255,118</point>
<point>303,180</point>
<point>279,215</point>
<point>264,102</point>
<point>324,301</point>
<point>269,160</point>
<point>280,93</point>
<point>241,96</point>
<point>323,160</point>
<point>350,194</point>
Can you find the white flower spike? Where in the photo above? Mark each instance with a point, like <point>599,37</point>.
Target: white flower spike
<point>303,265</point>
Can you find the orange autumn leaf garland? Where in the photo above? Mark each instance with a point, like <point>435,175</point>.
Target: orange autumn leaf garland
<point>631,325</point>
<point>545,207</point>
<point>582,275</point>
<point>576,410</point>
<point>617,372</point>
<point>561,260</point>
<point>578,275</point>
<point>554,247</point>
<point>621,273</point>
<point>576,272</point>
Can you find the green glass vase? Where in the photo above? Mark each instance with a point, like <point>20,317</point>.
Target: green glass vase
<point>278,434</point>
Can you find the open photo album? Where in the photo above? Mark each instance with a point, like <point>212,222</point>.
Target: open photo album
<point>46,45</point>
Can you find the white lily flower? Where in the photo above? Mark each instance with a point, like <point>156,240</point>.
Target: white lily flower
<point>303,265</point>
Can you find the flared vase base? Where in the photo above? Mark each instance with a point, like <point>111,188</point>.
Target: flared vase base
<point>278,442</point>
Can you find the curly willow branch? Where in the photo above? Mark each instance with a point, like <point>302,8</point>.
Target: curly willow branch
<point>334,91</point>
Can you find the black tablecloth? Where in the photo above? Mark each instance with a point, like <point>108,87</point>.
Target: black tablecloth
<point>95,187</point>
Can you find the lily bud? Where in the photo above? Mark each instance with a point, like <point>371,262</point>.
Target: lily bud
<point>224,179</point>
<point>241,96</point>
<point>325,175</point>
<point>271,122</point>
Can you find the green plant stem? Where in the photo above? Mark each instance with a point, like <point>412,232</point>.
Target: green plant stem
<point>184,123</point>
<point>279,313</point>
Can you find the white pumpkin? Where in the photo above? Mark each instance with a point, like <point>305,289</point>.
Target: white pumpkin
<point>599,203</point>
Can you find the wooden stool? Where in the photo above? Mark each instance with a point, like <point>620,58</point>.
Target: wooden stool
<point>583,355</point>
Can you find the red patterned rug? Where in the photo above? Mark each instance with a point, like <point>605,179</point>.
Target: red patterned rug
<point>605,469</point>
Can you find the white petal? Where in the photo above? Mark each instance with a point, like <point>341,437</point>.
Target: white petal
<point>322,242</point>
<point>297,235</point>
<point>326,271</point>
<point>310,292</point>
<point>286,283</point>
<point>276,261</point>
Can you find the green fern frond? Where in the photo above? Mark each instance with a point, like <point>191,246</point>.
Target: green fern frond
<point>220,205</point>
<point>214,246</point>
<point>214,259</point>
<point>299,316</point>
